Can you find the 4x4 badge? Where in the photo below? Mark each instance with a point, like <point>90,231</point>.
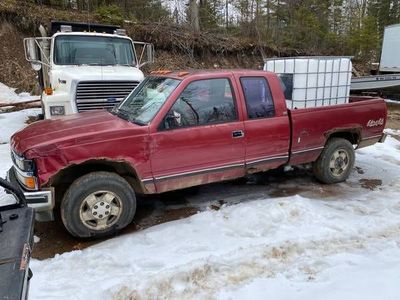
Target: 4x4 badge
<point>375,123</point>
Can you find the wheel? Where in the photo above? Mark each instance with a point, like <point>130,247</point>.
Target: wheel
<point>98,204</point>
<point>335,162</point>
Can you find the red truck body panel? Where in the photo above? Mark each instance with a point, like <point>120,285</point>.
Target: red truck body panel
<point>311,127</point>
<point>56,144</point>
<point>164,160</point>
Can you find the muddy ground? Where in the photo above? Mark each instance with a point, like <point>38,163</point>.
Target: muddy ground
<point>159,209</point>
<point>393,120</point>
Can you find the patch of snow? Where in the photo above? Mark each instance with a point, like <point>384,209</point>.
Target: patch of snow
<point>360,275</point>
<point>395,132</point>
<point>9,124</point>
<point>392,101</point>
<point>8,95</point>
<point>36,239</point>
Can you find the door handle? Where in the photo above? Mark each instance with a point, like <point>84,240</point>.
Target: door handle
<point>237,134</point>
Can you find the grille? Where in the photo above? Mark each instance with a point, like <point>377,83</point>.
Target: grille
<point>92,95</point>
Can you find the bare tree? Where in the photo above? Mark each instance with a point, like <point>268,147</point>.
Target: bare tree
<point>193,15</point>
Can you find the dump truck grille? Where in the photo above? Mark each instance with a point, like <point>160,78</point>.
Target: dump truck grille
<point>92,95</point>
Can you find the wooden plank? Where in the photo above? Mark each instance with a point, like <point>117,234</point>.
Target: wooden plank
<point>33,101</point>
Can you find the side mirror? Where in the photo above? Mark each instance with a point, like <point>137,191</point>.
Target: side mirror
<point>172,120</point>
<point>31,49</point>
<point>150,52</point>
<point>144,52</point>
<point>34,51</point>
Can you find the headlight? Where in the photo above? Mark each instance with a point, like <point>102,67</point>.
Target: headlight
<point>57,110</point>
<point>23,164</point>
<point>25,170</point>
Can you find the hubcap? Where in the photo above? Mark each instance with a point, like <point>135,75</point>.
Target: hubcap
<point>100,210</point>
<point>339,162</point>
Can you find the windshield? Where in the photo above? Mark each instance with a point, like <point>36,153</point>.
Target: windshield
<point>146,100</point>
<point>93,50</point>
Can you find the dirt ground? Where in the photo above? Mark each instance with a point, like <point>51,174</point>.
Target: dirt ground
<point>153,210</point>
<point>393,120</point>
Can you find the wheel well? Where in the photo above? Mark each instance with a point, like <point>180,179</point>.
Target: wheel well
<point>62,180</point>
<point>352,136</point>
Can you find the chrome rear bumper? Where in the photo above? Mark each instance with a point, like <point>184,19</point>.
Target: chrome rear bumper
<point>383,138</point>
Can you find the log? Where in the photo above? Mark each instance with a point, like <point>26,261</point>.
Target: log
<point>33,102</point>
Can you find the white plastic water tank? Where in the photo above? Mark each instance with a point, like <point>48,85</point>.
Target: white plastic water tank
<point>313,81</point>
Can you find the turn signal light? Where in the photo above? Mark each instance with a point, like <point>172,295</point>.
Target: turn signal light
<point>181,74</point>
<point>30,182</point>
<point>161,72</point>
<point>48,91</point>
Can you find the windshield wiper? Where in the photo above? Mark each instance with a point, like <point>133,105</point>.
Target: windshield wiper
<point>123,114</point>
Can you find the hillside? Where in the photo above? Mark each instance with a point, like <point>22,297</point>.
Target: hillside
<point>176,47</point>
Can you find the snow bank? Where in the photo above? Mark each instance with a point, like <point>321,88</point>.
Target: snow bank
<point>359,275</point>
<point>8,95</point>
<point>286,248</point>
<point>9,124</point>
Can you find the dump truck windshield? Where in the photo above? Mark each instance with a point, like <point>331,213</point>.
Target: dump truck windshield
<point>93,50</point>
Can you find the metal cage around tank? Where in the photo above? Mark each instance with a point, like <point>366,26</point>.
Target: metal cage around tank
<point>313,81</point>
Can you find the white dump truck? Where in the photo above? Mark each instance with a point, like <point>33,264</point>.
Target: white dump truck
<point>84,67</point>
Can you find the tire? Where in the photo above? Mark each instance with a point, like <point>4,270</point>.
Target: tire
<point>335,162</point>
<point>98,204</point>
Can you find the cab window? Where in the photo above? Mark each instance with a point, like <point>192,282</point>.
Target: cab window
<point>258,97</point>
<point>203,102</point>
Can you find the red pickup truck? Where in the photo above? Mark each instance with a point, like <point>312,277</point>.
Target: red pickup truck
<point>177,130</point>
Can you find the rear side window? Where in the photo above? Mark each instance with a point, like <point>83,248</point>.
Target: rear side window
<point>287,85</point>
<point>258,97</point>
<point>203,102</point>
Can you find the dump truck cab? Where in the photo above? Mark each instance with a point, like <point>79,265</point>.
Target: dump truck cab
<point>85,67</point>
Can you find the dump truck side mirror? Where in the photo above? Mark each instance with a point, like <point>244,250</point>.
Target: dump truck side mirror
<point>34,52</point>
<point>144,53</point>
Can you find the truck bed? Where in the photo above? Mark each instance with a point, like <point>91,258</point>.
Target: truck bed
<point>362,118</point>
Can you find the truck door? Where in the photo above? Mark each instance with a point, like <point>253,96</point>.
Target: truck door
<point>201,138</point>
<point>267,129</point>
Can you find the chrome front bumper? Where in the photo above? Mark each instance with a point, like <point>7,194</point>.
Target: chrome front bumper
<point>41,201</point>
